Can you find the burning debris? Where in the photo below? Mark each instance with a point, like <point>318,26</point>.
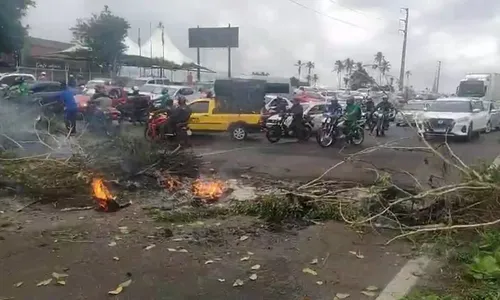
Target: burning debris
<point>106,201</point>
<point>208,190</point>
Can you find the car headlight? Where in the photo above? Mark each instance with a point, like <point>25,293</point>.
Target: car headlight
<point>464,119</point>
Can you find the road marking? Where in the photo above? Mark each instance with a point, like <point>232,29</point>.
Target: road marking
<point>406,279</point>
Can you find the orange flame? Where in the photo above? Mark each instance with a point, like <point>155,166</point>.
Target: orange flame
<point>208,190</point>
<point>101,193</point>
<point>172,183</point>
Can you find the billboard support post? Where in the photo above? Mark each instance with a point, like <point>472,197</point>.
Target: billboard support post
<point>229,59</point>
<point>198,70</point>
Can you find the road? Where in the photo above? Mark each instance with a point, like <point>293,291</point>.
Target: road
<point>289,159</point>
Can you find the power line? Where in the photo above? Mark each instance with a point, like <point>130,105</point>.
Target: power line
<point>356,10</point>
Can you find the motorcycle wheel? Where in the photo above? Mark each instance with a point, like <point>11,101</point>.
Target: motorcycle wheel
<point>306,134</point>
<point>358,136</point>
<point>325,139</point>
<point>148,134</point>
<point>380,127</point>
<point>274,134</point>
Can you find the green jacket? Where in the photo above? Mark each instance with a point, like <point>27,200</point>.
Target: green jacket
<point>164,98</point>
<point>352,112</point>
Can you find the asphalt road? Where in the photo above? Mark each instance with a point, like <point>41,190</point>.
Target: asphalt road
<point>289,159</point>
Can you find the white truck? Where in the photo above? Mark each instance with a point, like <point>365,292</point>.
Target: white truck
<point>485,86</point>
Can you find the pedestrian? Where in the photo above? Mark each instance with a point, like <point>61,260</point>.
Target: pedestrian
<point>70,107</point>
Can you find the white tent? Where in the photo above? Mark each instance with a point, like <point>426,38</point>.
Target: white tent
<point>132,47</point>
<point>172,53</point>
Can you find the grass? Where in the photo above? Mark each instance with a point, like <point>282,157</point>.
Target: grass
<point>472,271</point>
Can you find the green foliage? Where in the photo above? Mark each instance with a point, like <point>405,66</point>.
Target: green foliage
<point>103,34</point>
<point>12,32</point>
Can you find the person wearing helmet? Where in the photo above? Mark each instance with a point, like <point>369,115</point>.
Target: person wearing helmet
<point>385,106</point>
<point>165,96</point>
<point>100,91</point>
<point>180,114</point>
<point>334,108</point>
<point>42,77</point>
<point>135,91</point>
<point>19,87</point>
<point>72,81</point>
<point>352,115</point>
<point>297,112</point>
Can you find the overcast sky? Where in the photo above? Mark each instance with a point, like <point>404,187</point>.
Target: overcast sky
<point>275,34</point>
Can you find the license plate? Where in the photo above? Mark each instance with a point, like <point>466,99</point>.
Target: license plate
<point>189,132</point>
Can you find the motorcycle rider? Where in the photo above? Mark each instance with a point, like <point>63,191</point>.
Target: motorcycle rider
<point>100,91</point>
<point>297,112</point>
<point>164,98</point>
<point>334,108</point>
<point>20,85</point>
<point>386,108</point>
<point>135,91</point>
<point>369,108</point>
<point>352,115</point>
<point>180,114</point>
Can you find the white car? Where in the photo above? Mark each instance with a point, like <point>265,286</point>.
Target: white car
<point>494,119</point>
<point>9,78</point>
<point>174,91</point>
<point>460,117</point>
<point>315,110</point>
<point>272,102</point>
<point>409,112</point>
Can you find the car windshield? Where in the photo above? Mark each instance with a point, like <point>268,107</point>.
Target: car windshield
<point>92,83</point>
<point>136,82</point>
<point>450,106</point>
<point>471,88</point>
<point>148,88</point>
<point>414,106</point>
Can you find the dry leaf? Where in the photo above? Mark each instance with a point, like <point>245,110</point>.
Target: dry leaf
<point>150,247</point>
<point>255,267</point>
<point>208,262</point>
<point>123,229</point>
<point>238,283</point>
<point>244,238</point>
<point>112,244</point>
<point>250,253</point>
<point>116,291</point>
<point>319,282</point>
<point>341,296</point>
<point>358,255</point>
<point>45,282</point>
<point>18,284</point>
<point>61,282</point>
<point>58,276</point>
<point>116,258</point>
<point>183,251</point>
<point>221,280</point>
<point>309,271</point>
<point>217,224</point>
<point>369,294</point>
<point>178,239</point>
<point>172,250</point>
<point>314,261</point>
<point>253,277</point>
<point>245,258</point>
<point>125,283</point>
<point>372,288</point>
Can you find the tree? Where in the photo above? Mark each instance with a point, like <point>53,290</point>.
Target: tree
<point>309,65</point>
<point>308,78</point>
<point>12,31</point>
<point>103,35</point>
<point>385,67</point>
<point>378,59</point>
<point>339,68</point>
<point>349,66</point>
<point>360,78</point>
<point>299,64</point>
<point>315,79</point>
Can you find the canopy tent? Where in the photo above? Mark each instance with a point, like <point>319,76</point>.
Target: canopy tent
<point>163,47</point>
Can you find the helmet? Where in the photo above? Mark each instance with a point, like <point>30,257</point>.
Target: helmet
<point>43,73</point>
<point>135,89</point>
<point>385,98</point>
<point>181,100</point>
<point>164,91</point>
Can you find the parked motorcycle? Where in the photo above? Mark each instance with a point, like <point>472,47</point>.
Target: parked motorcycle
<point>332,128</point>
<point>281,129</point>
<point>152,131</point>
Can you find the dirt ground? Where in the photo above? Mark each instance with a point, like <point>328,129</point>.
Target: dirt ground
<point>97,253</point>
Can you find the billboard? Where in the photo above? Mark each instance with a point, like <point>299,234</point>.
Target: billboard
<point>214,37</point>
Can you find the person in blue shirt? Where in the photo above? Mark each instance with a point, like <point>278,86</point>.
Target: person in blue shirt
<point>335,108</point>
<point>70,107</point>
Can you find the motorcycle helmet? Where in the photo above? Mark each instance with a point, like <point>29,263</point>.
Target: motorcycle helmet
<point>135,89</point>
<point>385,97</point>
<point>181,100</point>
<point>164,91</point>
<point>350,100</point>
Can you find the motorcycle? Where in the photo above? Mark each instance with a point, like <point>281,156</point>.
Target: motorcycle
<point>100,120</point>
<point>331,130</point>
<point>152,131</point>
<point>380,121</point>
<point>281,128</point>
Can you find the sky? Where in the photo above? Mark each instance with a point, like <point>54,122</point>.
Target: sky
<point>275,34</point>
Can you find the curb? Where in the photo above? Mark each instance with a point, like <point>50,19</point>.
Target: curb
<point>406,279</point>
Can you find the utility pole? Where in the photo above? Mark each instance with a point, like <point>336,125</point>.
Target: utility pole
<point>438,76</point>
<point>229,59</point>
<point>403,54</point>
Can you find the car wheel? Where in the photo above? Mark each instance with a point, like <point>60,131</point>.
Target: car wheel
<point>470,133</point>
<point>488,128</point>
<point>238,132</point>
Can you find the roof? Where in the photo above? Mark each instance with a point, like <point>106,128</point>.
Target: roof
<point>48,43</point>
<point>172,53</point>
<point>455,99</point>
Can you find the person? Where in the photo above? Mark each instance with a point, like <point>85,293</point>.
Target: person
<point>352,115</point>
<point>165,96</point>
<point>180,114</point>
<point>386,107</point>
<point>72,81</point>
<point>70,107</point>
<point>297,112</point>
<point>100,92</point>
<point>334,108</point>
<point>19,86</point>
<point>42,77</point>
<point>135,91</point>
<point>369,105</point>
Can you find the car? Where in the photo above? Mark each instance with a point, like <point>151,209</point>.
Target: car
<point>9,78</point>
<point>494,119</point>
<point>91,84</point>
<point>154,91</point>
<point>455,117</point>
<point>140,81</point>
<point>409,112</point>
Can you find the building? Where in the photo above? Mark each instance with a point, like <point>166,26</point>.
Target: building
<point>39,47</point>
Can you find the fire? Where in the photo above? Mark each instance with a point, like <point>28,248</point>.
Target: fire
<point>101,193</point>
<point>208,189</point>
<point>172,184</point>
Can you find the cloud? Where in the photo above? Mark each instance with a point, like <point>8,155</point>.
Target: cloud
<point>275,34</point>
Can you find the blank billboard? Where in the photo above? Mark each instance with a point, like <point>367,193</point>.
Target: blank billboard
<point>215,37</point>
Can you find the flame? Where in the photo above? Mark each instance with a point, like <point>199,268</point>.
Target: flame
<point>208,189</point>
<point>172,183</point>
<point>101,193</point>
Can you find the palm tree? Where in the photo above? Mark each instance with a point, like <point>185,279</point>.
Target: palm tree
<point>339,68</point>
<point>348,65</point>
<point>299,64</point>
<point>359,66</point>
<point>378,59</point>
<point>385,67</point>
<point>310,65</point>
<point>315,79</point>
<point>308,78</point>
